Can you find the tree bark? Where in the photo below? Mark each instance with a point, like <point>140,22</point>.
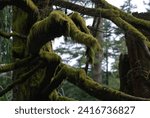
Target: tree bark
<point>96,69</point>
<point>138,75</point>
<point>36,81</point>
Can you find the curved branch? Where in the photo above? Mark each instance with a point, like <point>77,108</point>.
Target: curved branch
<point>56,25</point>
<point>14,34</point>
<point>50,57</point>
<point>127,17</point>
<point>109,12</point>
<point>120,18</point>
<point>15,65</point>
<point>80,79</point>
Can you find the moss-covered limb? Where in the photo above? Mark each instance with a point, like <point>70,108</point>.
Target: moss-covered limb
<point>129,28</point>
<point>55,25</point>
<point>105,13</point>
<point>13,34</point>
<point>82,37</point>
<point>127,17</point>
<point>79,22</point>
<point>112,13</point>
<point>21,80</point>
<point>45,30</point>
<point>96,12</point>
<point>101,92</point>
<point>79,78</point>
<point>50,57</point>
<point>15,65</point>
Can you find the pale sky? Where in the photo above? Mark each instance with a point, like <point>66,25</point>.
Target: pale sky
<point>138,3</point>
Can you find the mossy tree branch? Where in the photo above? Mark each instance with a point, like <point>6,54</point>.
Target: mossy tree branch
<point>13,34</point>
<point>127,17</point>
<point>112,13</point>
<point>80,79</point>
<point>56,25</point>
<point>15,65</point>
<point>50,57</point>
<point>21,79</point>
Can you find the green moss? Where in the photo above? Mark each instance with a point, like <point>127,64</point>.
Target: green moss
<point>125,21</point>
<point>55,25</point>
<point>50,57</point>
<point>79,22</point>
<point>129,28</point>
<point>31,5</point>
<point>45,30</point>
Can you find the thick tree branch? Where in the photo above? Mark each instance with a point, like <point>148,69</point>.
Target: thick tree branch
<point>80,79</point>
<point>120,18</point>
<point>14,34</point>
<point>15,65</point>
<point>84,10</point>
<point>22,79</point>
<point>97,12</point>
<point>50,57</point>
<point>55,25</point>
<point>127,17</point>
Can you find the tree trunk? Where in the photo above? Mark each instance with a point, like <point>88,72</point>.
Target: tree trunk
<point>124,68</point>
<point>96,69</point>
<point>138,75</point>
<point>37,76</point>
